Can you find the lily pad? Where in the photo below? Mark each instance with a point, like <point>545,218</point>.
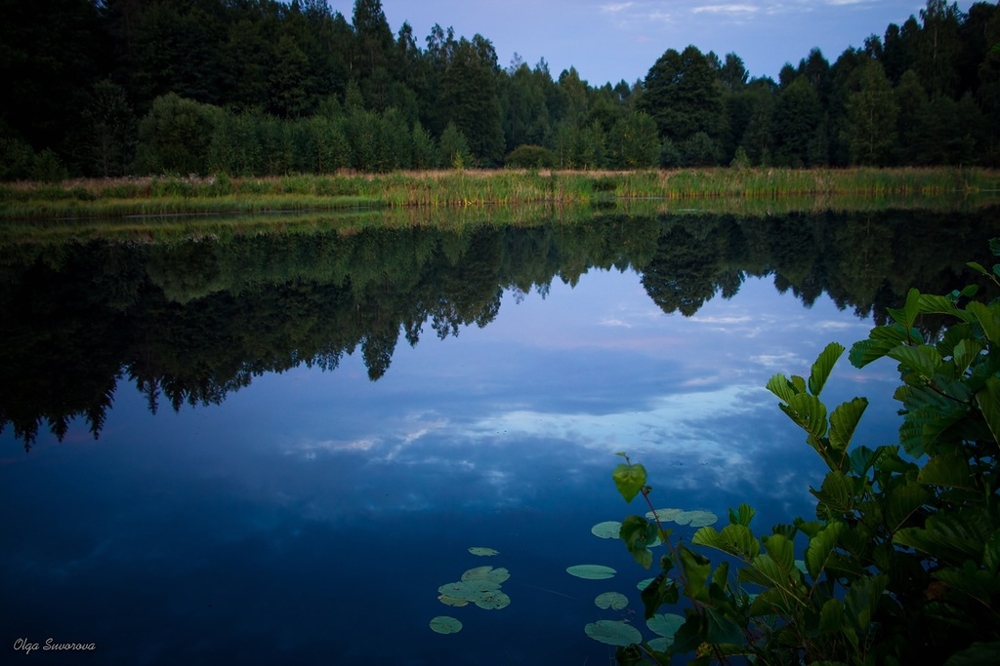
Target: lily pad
<point>702,518</point>
<point>452,601</point>
<point>444,624</point>
<point>660,644</point>
<point>644,583</point>
<point>494,600</point>
<point>483,552</point>
<point>607,530</point>
<point>613,600</point>
<point>665,515</point>
<point>613,632</point>
<point>665,624</point>
<point>487,574</point>
<point>470,590</point>
<point>591,571</point>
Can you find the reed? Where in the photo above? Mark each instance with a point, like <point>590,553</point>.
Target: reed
<point>439,189</point>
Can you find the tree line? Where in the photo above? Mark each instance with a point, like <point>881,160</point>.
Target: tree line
<point>261,87</point>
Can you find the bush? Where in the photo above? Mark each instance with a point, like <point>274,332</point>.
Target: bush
<point>531,157</point>
<point>175,137</point>
<point>901,563</point>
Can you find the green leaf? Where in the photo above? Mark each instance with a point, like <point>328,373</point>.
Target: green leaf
<point>976,266</point>
<point>722,631</point>
<point>613,632</point>
<point>901,502</point>
<point>638,533</point>
<point>808,412</point>
<point>923,359</point>
<point>977,654</point>
<point>987,316</point>
<point>991,553</point>
<point>629,479</point>
<point>861,600</point>
<point>781,387</point>
<point>696,570</point>
<point>743,516</point>
<point>864,352</point>
<point>831,617</point>
<point>661,592</point>
<point>844,420</point>
<point>988,399</point>
<point>965,352</point>
<point>820,547</point>
<point>613,600</point>
<point>837,493</point>
<point>931,304</point>
<point>822,367</point>
<point>444,624</point>
<point>734,539</point>
<point>947,470</point>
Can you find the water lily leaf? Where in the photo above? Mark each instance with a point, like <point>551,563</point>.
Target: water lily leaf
<point>494,600</point>
<point>613,632</point>
<point>591,571</point>
<point>702,518</point>
<point>665,515</point>
<point>607,530</point>
<point>452,601</point>
<point>665,624</point>
<point>614,600</point>
<point>483,552</point>
<point>489,574</point>
<point>444,624</point>
<point>470,590</point>
<point>660,644</point>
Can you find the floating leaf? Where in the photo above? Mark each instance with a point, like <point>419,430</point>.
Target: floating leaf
<point>452,601</point>
<point>486,574</point>
<point>664,514</point>
<point>591,571</point>
<point>665,624</point>
<point>483,552</point>
<point>444,624</point>
<point>607,530</point>
<point>614,600</point>
<point>494,600</point>
<point>660,644</point>
<point>613,632</point>
<point>470,590</point>
<point>702,518</point>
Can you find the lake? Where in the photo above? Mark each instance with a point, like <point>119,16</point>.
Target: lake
<point>273,442</point>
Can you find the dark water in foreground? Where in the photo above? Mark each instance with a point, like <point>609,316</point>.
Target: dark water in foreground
<point>298,438</point>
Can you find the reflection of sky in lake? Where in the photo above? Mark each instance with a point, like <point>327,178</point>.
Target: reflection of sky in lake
<point>313,515</point>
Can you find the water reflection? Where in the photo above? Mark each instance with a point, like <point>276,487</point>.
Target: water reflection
<point>190,321</point>
<point>309,516</point>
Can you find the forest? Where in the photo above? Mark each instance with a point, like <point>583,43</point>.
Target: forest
<point>106,88</point>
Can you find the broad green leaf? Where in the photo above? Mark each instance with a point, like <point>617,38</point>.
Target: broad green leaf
<point>989,402</point>
<point>933,304</point>
<point>991,553</point>
<point>722,631</point>
<point>629,479</point>
<point>781,387</point>
<point>861,600</point>
<point>493,600</point>
<point>644,583</point>
<point>864,352</point>
<point>912,307</point>
<point>702,518</point>
<point>844,420</point>
<point>837,492</point>
<point>743,515</point>
<point>831,617</point>
<point>661,592</point>
<point>978,267</point>
<point>988,318</point>
<point>781,550</point>
<point>923,359</point>
<point>808,412</point>
<point>444,624</point>
<point>613,632</point>
<point>638,533</point>
<point>452,601</point>
<point>591,571</point>
<point>949,471</point>
<point>664,515</point>
<point>613,600</point>
<point>736,540</point>
<point>977,654</point>
<point>819,548</point>
<point>965,352</point>
<point>978,583</point>
<point>901,502</point>
<point>824,364</point>
<point>696,569</point>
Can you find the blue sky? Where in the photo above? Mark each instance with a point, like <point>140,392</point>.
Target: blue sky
<point>611,40</point>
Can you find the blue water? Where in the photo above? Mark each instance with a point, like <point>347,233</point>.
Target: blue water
<point>311,517</point>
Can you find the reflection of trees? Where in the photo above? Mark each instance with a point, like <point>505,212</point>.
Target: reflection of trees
<point>190,321</point>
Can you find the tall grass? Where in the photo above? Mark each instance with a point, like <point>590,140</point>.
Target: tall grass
<point>222,194</point>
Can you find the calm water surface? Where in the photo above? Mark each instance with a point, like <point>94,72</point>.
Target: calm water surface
<point>311,515</point>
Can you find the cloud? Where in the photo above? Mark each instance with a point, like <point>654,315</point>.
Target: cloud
<point>727,9</point>
<point>615,7</point>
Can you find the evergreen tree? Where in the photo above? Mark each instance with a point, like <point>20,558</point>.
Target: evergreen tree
<point>872,113</point>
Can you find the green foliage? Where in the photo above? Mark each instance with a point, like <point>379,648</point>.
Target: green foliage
<point>531,157</point>
<point>175,136</point>
<point>901,562</point>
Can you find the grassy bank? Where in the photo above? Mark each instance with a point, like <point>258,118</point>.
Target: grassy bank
<point>221,194</point>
